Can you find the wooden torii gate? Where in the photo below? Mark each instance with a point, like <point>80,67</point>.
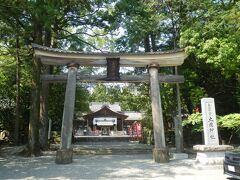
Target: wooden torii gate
<point>113,61</point>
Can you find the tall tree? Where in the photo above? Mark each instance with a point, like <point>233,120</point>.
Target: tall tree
<point>17,120</point>
<point>49,23</point>
<point>212,39</point>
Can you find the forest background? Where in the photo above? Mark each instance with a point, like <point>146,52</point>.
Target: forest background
<point>209,30</point>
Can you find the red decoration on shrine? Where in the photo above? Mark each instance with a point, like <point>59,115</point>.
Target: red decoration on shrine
<point>135,131</point>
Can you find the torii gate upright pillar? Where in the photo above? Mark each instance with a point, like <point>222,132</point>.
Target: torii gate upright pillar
<point>160,151</point>
<point>64,155</point>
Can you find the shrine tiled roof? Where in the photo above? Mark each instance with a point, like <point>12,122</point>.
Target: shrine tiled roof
<point>95,106</point>
<point>105,111</point>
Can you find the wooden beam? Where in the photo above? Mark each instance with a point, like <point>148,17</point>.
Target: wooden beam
<point>102,78</point>
<point>113,69</point>
<point>56,57</point>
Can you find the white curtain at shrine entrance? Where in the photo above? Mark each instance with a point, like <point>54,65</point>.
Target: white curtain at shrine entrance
<point>105,121</point>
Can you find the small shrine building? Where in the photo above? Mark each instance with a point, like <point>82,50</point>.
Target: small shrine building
<point>107,119</point>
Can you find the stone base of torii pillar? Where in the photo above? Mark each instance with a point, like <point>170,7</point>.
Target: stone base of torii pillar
<point>160,155</point>
<point>211,154</point>
<point>64,156</point>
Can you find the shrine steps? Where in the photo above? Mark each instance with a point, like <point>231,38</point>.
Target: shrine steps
<point>101,139</point>
<point>106,148</point>
<point>111,151</point>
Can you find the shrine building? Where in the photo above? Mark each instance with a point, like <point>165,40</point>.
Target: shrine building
<point>108,119</point>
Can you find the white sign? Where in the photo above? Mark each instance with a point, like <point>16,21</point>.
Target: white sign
<point>209,121</point>
<point>104,121</point>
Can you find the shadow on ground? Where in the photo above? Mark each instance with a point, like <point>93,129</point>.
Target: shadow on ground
<point>104,167</point>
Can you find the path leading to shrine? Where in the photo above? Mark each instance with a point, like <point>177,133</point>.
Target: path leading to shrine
<point>140,166</point>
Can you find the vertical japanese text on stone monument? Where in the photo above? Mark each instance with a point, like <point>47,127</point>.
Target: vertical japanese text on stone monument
<point>209,121</point>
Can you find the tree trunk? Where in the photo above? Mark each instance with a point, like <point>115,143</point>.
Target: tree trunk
<point>43,126</point>
<point>48,37</point>
<point>33,136</point>
<point>17,120</point>
<point>147,44</point>
<point>34,146</point>
<point>153,43</point>
<point>44,95</point>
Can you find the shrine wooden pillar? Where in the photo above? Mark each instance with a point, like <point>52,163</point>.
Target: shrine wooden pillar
<point>64,154</point>
<point>160,151</point>
<point>122,124</point>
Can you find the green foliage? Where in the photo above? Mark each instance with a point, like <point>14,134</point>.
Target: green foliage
<point>205,80</point>
<point>196,94</point>
<point>130,97</point>
<point>147,136</point>
<point>230,121</point>
<point>194,120</point>
<point>149,21</point>
<point>214,35</point>
<point>211,38</point>
<point>56,103</point>
<point>99,93</point>
<point>82,99</point>
<point>8,86</point>
<point>49,23</point>
<point>135,97</point>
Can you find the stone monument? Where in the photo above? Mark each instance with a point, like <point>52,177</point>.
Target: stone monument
<point>211,152</point>
<point>209,121</point>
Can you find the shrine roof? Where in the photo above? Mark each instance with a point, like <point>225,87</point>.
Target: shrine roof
<point>105,111</point>
<point>53,56</point>
<point>95,106</point>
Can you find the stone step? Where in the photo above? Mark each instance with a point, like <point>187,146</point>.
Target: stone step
<point>102,139</point>
<point>108,151</point>
<point>108,148</point>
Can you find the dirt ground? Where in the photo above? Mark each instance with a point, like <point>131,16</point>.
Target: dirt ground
<point>139,166</point>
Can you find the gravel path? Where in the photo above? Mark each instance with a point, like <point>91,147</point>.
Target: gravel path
<point>106,167</point>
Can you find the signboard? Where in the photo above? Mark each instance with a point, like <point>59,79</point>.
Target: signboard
<point>105,121</point>
<point>209,121</point>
